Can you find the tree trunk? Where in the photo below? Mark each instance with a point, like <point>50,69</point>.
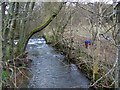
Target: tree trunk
<point>3,30</point>
<point>1,50</point>
<point>1,26</point>
<point>11,33</point>
<point>22,31</point>
<point>97,42</point>
<point>41,27</point>
<point>117,76</point>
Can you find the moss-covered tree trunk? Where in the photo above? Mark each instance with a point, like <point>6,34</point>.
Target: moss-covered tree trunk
<point>41,27</point>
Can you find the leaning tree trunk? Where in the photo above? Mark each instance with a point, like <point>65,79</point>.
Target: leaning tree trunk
<point>41,27</point>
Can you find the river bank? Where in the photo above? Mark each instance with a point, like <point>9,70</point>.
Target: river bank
<point>74,49</point>
<point>47,69</point>
<point>74,58</point>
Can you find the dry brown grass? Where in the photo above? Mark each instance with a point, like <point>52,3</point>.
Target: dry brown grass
<point>107,57</point>
<point>84,57</point>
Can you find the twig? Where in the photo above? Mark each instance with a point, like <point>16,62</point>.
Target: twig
<point>23,74</point>
<point>105,74</point>
<point>108,29</point>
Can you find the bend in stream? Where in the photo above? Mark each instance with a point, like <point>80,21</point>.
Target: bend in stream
<point>50,70</point>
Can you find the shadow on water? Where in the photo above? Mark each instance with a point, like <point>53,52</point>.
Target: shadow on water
<point>50,70</point>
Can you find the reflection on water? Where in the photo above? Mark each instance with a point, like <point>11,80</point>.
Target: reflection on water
<point>50,70</point>
<point>37,41</point>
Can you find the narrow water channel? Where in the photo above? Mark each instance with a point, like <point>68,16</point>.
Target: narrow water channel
<point>50,70</point>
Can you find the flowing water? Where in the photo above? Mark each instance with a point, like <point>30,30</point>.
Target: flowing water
<point>50,70</point>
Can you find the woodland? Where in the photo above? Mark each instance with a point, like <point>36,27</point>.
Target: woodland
<point>65,26</point>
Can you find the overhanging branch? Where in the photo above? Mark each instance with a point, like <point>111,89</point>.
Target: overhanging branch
<point>41,27</point>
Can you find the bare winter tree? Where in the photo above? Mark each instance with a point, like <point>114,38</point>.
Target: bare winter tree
<point>16,17</point>
<point>94,21</point>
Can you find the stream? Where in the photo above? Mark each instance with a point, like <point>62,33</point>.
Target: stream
<point>50,70</point>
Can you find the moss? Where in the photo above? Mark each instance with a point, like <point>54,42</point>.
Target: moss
<point>5,75</point>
